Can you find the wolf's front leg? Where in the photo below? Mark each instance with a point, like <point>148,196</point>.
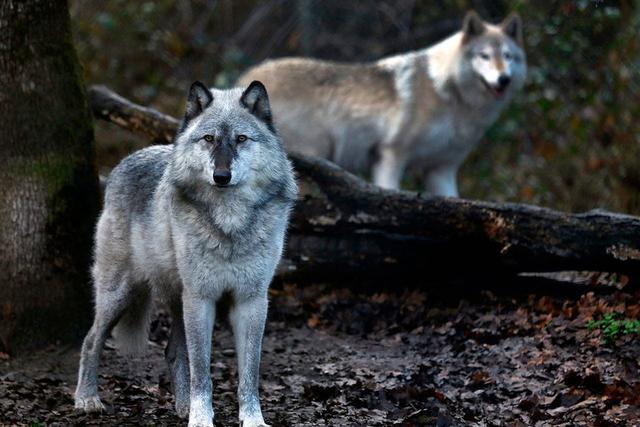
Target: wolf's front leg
<point>388,170</point>
<point>199,315</point>
<point>442,182</point>
<point>247,320</point>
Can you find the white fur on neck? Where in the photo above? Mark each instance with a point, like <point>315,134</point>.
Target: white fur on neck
<point>442,61</point>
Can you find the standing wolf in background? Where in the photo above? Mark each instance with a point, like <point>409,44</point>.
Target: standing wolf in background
<point>189,224</point>
<point>426,109</point>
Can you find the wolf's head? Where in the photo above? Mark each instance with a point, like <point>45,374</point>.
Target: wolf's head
<point>227,139</point>
<point>492,58</point>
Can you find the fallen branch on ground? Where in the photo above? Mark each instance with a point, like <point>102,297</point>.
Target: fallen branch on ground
<point>344,227</point>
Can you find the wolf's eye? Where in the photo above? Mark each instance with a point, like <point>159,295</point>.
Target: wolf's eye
<point>242,138</point>
<point>208,138</point>
<point>484,56</point>
<point>508,56</point>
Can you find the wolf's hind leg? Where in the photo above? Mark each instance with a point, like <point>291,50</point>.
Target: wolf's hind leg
<point>110,305</point>
<point>247,320</point>
<point>177,358</point>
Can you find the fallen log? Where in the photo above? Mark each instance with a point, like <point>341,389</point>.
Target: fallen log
<point>345,228</point>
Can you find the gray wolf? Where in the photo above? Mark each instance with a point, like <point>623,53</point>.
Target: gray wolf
<point>425,109</point>
<point>188,224</point>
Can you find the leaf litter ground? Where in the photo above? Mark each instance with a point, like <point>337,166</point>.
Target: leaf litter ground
<point>340,358</point>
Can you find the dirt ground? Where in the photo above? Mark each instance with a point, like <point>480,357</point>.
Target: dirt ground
<point>341,358</point>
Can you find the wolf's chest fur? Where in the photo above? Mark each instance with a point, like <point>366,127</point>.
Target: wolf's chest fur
<point>231,243</point>
<point>450,132</point>
<point>238,231</point>
<point>440,128</point>
<point>232,223</point>
<point>235,238</point>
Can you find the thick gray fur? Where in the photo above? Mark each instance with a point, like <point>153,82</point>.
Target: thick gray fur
<point>169,232</point>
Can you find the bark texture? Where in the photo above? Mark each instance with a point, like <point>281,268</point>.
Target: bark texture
<point>345,228</point>
<point>49,195</point>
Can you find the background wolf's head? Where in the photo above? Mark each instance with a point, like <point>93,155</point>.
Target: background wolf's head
<point>227,139</point>
<point>492,59</point>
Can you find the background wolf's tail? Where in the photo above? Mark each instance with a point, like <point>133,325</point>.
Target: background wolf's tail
<point>131,333</point>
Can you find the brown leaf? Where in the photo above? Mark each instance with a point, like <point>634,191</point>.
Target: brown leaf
<point>313,321</point>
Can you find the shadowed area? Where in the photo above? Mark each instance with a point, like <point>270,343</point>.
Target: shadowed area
<point>335,357</point>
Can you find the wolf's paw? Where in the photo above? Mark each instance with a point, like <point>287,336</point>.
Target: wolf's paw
<point>255,421</point>
<point>182,409</point>
<point>200,424</point>
<point>200,420</point>
<point>89,404</point>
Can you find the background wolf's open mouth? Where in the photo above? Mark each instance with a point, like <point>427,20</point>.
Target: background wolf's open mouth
<point>497,91</point>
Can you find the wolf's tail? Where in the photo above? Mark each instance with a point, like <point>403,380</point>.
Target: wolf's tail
<point>132,330</point>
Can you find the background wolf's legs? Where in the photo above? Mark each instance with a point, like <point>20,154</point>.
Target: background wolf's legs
<point>177,359</point>
<point>111,302</point>
<point>388,170</point>
<point>442,182</point>
<point>247,320</point>
<point>199,315</point>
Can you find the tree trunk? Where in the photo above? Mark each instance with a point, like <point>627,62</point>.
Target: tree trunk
<point>49,195</point>
<point>345,228</point>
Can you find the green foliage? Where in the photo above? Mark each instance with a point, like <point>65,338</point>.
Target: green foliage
<point>571,139</point>
<point>614,325</point>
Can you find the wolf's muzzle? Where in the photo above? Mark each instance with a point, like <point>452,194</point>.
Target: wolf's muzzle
<point>222,177</point>
<point>503,81</point>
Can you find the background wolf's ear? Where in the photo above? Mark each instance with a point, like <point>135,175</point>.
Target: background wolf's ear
<point>512,26</point>
<point>256,100</point>
<point>199,98</point>
<point>472,26</point>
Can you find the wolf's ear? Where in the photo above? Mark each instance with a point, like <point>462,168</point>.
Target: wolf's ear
<point>512,26</point>
<point>472,26</point>
<point>256,100</point>
<point>199,98</point>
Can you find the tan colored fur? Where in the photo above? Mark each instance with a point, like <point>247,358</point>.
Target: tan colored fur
<point>425,108</point>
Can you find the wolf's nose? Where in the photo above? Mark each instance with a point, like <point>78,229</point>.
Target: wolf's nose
<point>222,177</point>
<point>504,80</point>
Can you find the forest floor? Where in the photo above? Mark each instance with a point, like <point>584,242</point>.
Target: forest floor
<point>341,358</point>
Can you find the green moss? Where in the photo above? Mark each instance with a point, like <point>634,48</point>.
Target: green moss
<point>54,173</point>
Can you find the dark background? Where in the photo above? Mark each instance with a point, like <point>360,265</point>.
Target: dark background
<point>483,350</point>
<point>570,140</point>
